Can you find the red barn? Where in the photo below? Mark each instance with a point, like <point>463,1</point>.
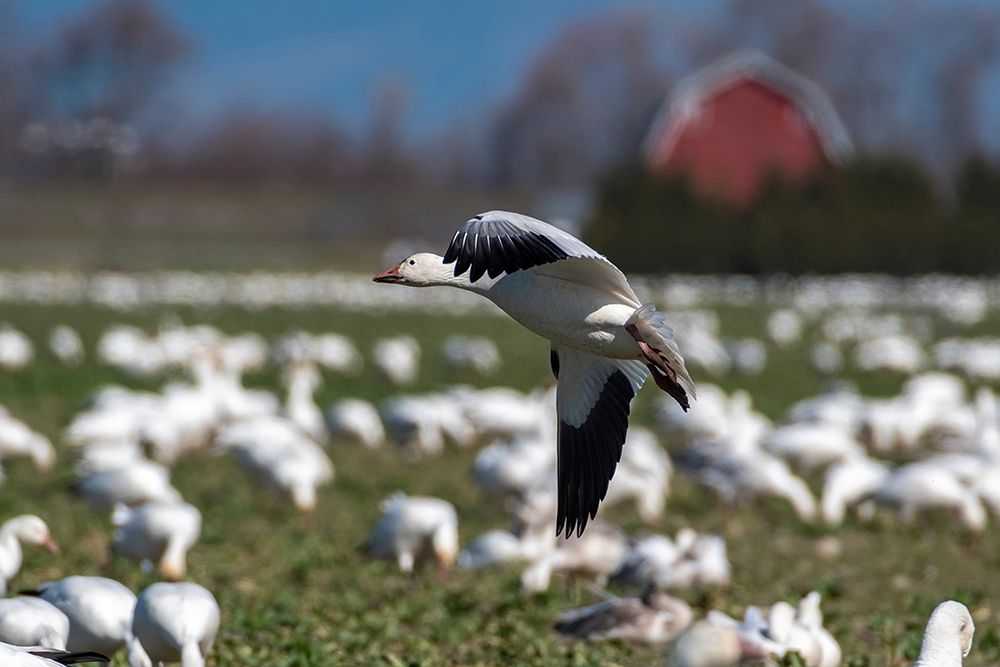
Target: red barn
<point>730,125</point>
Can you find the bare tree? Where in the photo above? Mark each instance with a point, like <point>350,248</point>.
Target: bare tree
<point>109,62</point>
<point>248,146</point>
<point>582,106</point>
<point>385,151</point>
<point>12,102</point>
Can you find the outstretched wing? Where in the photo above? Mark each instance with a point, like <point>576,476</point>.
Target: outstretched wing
<point>68,658</point>
<point>500,243</point>
<point>593,400</point>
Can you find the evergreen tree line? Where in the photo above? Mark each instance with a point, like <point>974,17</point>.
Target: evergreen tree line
<point>875,215</point>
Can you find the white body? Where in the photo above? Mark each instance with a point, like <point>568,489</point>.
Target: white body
<point>598,318</point>
<point>65,344</point>
<point>17,439</point>
<point>29,621</point>
<point>358,420</point>
<point>158,533</point>
<point>278,452</point>
<point>133,483</point>
<point>99,612</point>
<point>412,528</point>
<point>173,623</point>
<point>594,555</point>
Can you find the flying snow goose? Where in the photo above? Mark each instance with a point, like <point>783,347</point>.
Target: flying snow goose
<point>654,618</point>
<point>17,656</point>
<point>603,338</point>
<point>30,621</point>
<point>947,637</point>
<point>99,611</point>
<point>173,623</point>
<point>158,533</point>
<point>24,529</point>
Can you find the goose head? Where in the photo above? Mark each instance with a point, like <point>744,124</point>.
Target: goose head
<point>423,269</point>
<point>173,562</point>
<point>29,529</point>
<point>949,633</point>
<point>42,453</point>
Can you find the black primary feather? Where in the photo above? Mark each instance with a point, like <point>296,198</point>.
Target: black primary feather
<point>588,455</point>
<point>493,247</point>
<point>68,658</point>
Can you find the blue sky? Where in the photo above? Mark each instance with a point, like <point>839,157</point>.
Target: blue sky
<point>455,56</point>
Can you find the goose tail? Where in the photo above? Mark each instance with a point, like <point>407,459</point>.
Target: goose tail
<point>657,345</point>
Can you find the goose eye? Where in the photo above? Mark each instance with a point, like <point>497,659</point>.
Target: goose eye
<point>412,262</point>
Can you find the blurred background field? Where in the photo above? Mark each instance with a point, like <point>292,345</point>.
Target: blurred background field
<point>249,165</point>
<point>137,134</point>
<point>294,590</point>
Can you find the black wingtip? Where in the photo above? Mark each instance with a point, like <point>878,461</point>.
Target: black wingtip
<point>74,658</point>
<point>671,386</point>
<point>589,455</point>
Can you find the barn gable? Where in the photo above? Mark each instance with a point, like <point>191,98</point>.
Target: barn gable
<point>760,116</point>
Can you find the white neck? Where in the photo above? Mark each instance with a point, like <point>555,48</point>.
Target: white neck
<point>939,648</point>
<point>442,274</point>
<point>11,554</point>
<point>8,533</point>
<point>300,389</point>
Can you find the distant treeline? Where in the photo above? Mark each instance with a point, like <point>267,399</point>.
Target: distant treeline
<point>875,215</point>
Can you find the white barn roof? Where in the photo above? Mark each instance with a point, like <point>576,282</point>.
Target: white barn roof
<point>811,100</point>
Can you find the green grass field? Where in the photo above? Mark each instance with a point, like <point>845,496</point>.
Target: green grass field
<point>294,590</point>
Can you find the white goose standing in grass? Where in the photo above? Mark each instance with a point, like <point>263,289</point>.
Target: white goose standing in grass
<point>413,529</point>
<point>173,623</point>
<point>24,529</point>
<point>947,637</point>
<point>99,611</point>
<point>603,338</point>
<point>158,532</point>
<point>130,482</point>
<point>17,439</point>
<point>653,618</point>
<point>303,381</point>
<point>30,621</point>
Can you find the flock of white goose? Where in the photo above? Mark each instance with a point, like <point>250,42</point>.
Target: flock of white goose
<point>125,441</point>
